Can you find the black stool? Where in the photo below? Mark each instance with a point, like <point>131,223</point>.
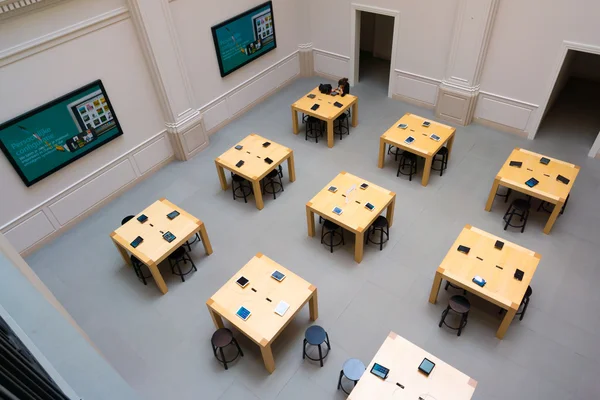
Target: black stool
<point>240,187</point>
<point>316,336</point>
<point>506,195</point>
<point>190,242</point>
<point>126,219</point>
<point>313,129</point>
<point>442,157</point>
<point>460,305</point>
<point>544,205</point>
<point>520,208</point>
<point>524,304</point>
<point>176,257</point>
<point>330,229</point>
<point>395,151</point>
<point>407,160</point>
<point>448,284</point>
<point>137,268</point>
<point>381,224</point>
<point>352,370</point>
<point>272,183</point>
<point>221,339</point>
<point>341,125</point>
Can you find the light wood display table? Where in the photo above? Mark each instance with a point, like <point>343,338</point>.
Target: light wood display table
<point>255,168</point>
<point>154,248</point>
<point>497,267</point>
<point>351,199</point>
<point>548,189</point>
<point>403,358</point>
<point>326,112</point>
<point>423,145</point>
<point>261,296</point>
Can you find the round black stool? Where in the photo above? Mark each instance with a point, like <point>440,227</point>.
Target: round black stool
<point>316,336</point>
<point>448,284</point>
<point>313,129</point>
<point>395,151</point>
<point>524,304</point>
<point>240,187</point>
<point>137,268</point>
<point>544,205</point>
<point>520,208</point>
<point>190,242</point>
<point>460,305</point>
<point>127,219</point>
<point>178,256</point>
<point>341,125</point>
<point>221,339</point>
<point>272,183</point>
<point>381,224</point>
<point>407,160</point>
<point>330,229</point>
<point>352,370</point>
<point>505,195</point>
<point>442,157</point>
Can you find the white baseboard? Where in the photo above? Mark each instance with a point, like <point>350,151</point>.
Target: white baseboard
<point>227,107</point>
<point>330,65</point>
<point>59,213</point>
<point>505,113</point>
<point>416,89</point>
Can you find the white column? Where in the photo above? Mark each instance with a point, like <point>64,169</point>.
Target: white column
<point>457,94</point>
<point>154,25</point>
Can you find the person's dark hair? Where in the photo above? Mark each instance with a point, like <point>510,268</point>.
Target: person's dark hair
<point>343,82</point>
<point>345,85</point>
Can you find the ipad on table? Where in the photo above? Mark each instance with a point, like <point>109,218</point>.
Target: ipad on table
<point>243,313</point>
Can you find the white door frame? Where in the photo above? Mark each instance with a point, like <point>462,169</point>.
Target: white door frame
<point>355,40</point>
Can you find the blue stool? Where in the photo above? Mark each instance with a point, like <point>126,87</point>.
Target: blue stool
<point>316,336</point>
<point>352,370</point>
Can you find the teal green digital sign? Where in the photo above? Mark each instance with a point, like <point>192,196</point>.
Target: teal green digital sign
<point>244,38</point>
<point>46,139</point>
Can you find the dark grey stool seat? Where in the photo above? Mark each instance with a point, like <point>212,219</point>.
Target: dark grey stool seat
<point>407,160</point>
<point>549,207</point>
<point>221,339</point>
<point>190,242</point>
<point>341,125</point>
<point>506,195</point>
<point>352,370</point>
<point>240,187</point>
<point>459,305</point>
<point>127,219</point>
<point>448,284</point>
<point>316,336</point>
<point>380,224</point>
<point>178,256</point>
<point>138,267</point>
<point>330,230</point>
<point>272,183</point>
<point>394,151</point>
<point>524,304</point>
<point>519,208</point>
<point>442,157</point>
<point>313,129</point>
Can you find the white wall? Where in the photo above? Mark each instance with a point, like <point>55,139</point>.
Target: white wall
<point>47,53</point>
<point>563,78</point>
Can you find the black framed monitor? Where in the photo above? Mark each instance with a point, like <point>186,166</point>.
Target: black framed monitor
<point>50,137</point>
<point>244,38</point>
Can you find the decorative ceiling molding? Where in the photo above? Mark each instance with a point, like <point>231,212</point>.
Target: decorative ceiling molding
<point>11,8</point>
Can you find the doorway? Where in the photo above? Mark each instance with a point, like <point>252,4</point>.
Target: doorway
<point>374,33</point>
<point>571,116</point>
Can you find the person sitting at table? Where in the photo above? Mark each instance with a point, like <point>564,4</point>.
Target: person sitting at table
<point>343,87</point>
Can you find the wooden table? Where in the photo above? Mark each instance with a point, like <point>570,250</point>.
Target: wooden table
<point>326,112</point>
<point>548,189</point>
<point>263,326</point>
<point>403,359</point>
<point>154,248</point>
<point>423,145</point>
<point>355,217</point>
<point>255,168</point>
<point>497,267</point>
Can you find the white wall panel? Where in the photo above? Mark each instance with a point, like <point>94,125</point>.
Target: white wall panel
<point>288,70</point>
<point>215,115</point>
<point>331,64</point>
<point>416,87</point>
<point>153,154</point>
<point>30,231</point>
<point>252,92</point>
<point>504,111</point>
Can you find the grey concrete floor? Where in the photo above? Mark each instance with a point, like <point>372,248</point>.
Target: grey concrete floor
<point>160,344</point>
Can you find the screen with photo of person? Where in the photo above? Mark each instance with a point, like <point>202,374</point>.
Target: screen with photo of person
<point>44,140</point>
<point>244,38</point>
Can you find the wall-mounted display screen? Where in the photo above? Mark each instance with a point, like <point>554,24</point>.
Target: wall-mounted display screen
<point>42,141</point>
<point>244,38</point>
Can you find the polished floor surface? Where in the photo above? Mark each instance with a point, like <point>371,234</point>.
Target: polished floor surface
<point>160,344</point>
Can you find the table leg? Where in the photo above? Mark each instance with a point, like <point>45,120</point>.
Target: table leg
<point>217,320</point>
<point>258,194</point>
<point>205,241</point>
<point>449,145</point>
<point>359,245</point>
<point>295,121</point>
<point>508,317</point>
<point>490,200</point>
<point>160,282</point>
<point>390,212</point>
<point>291,167</point>
<point>426,171</point>
<point>313,306</point>
<point>123,253</point>
<point>330,133</point>
<point>557,207</point>
<point>221,174</point>
<point>267,355</point>
<point>355,114</point>
<point>435,288</point>
<point>381,158</point>
<point>310,221</point>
